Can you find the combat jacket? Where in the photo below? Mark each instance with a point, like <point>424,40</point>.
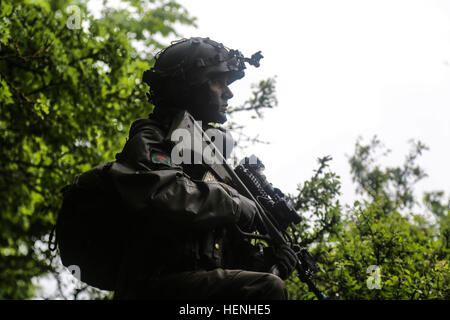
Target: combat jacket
<point>182,220</point>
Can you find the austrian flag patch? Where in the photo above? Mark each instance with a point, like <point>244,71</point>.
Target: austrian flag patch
<point>159,157</point>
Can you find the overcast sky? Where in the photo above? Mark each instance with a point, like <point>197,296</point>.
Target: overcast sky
<point>344,68</point>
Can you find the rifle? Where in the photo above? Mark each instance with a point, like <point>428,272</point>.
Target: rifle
<point>250,172</point>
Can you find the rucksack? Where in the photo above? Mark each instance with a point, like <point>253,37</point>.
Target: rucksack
<point>89,232</point>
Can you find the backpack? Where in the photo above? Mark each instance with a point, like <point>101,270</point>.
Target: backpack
<point>89,231</point>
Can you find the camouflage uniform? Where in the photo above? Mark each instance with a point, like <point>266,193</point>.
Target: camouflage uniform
<point>183,242</point>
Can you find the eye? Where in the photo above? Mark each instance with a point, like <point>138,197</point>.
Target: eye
<point>217,81</point>
<point>222,80</point>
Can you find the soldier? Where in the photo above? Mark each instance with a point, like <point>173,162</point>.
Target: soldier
<point>183,243</point>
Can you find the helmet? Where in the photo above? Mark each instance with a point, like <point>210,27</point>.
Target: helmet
<point>190,62</point>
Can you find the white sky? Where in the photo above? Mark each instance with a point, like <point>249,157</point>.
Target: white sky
<point>344,68</point>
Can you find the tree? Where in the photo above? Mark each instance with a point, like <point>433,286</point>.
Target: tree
<point>381,246</point>
<point>69,84</point>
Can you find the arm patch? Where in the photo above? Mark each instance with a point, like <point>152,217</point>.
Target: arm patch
<point>160,158</point>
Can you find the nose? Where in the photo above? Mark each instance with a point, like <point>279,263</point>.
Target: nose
<point>227,94</point>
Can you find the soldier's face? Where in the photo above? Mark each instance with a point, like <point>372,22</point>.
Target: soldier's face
<point>213,100</point>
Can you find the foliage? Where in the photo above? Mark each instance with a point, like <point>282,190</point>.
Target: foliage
<point>69,84</point>
<point>263,97</point>
<point>375,249</point>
